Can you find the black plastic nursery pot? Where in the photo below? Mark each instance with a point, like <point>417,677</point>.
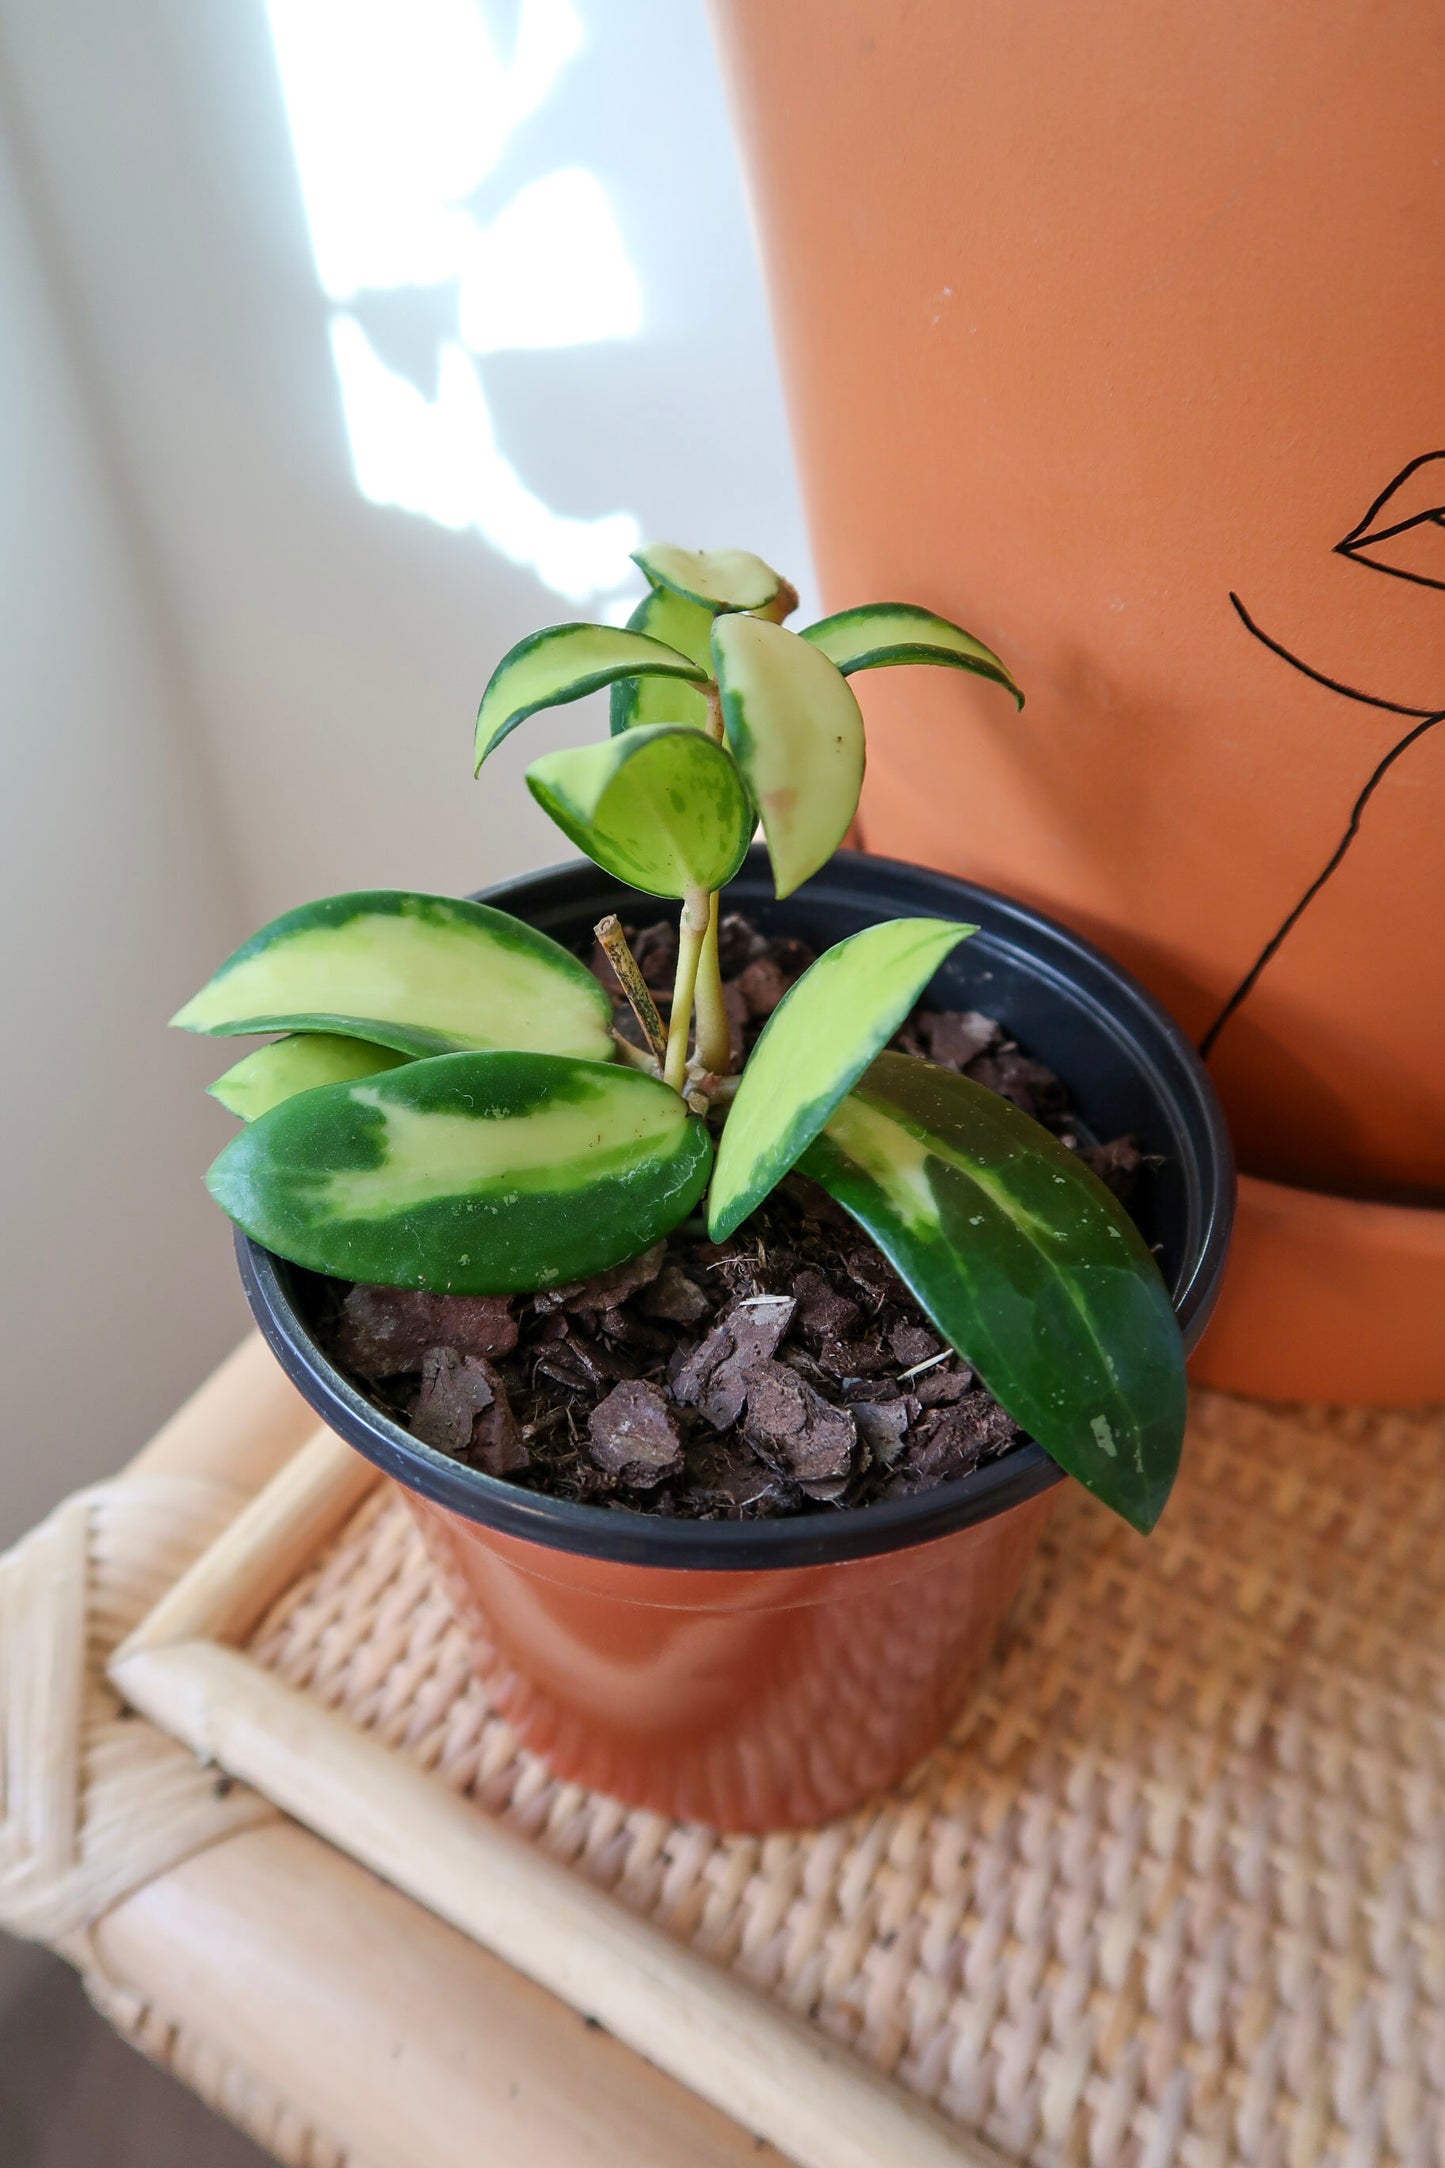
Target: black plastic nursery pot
<point>769,1674</point>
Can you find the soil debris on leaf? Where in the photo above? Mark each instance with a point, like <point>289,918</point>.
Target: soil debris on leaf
<point>787,1370</point>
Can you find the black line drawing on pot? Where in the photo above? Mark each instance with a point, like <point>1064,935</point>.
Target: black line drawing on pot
<point>1401,536</point>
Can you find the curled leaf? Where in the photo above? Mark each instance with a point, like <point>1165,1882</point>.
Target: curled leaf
<point>719,579</point>
<point>547,669</point>
<point>661,807</point>
<point>686,626</point>
<point>470,1174</point>
<point>898,632</point>
<point>796,732</point>
<point>419,974</point>
<point>813,1049</point>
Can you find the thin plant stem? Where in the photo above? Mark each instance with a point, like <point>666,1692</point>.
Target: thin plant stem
<point>714,1040</point>
<point>634,985</point>
<point>636,1057</point>
<point>714,723</point>
<point>691,936</point>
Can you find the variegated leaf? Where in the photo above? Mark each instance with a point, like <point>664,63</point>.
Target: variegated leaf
<point>719,579</point>
<point>796,732</point>
<point>470,1174</point>
<point>262,1079</point>
<point>813,1049</point>
<point>880,633</point>
<point>420,974</point>
<point>547,669</point>
<point>686,626</point>
<point>661,807</point>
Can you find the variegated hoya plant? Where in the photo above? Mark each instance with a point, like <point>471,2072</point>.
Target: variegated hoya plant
<point>450,1107</point>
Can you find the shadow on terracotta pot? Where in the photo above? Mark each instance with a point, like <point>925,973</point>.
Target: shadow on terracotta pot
<point>771,1674</point>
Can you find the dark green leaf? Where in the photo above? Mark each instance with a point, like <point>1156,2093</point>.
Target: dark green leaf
<point>1025,1263</point>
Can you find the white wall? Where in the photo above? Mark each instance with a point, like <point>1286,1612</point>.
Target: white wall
<point>245,685</point>
<point>116,1294</point>
<point>339,648</point>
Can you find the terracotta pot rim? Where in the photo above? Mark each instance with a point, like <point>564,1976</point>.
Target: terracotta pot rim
<point>1060,966</point>
<point>1358,1206</point>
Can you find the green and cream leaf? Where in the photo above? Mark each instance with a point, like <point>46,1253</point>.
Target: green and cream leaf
<point>262,1079</point>
<point>419,974</point>
<point>881,633</point>
<point>796,732</point>
<point>718,579</point>
<point>685,626</point>
<point>1027,1266</point>
<point>813,1049</point>
<point>470,1174</point>
<point>661,807</point>
<point>566,662</point>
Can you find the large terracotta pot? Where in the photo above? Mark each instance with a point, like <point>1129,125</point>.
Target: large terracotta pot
<point>1115,334</point>
<point>767,1674</point>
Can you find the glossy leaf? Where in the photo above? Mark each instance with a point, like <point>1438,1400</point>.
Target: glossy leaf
<point>896,632</point>
<point>420,974</point>
<point>472,1174</point>
<point>797,734</point>
<point>662,807</point>
<point>1027,1266</point>
<point>547,669</point>
<point>261,1080</point>
<point>686,626</point>
<point>719,579</point>
<point>813,1049</point>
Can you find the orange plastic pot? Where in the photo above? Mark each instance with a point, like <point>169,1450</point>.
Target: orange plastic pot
<point>769,1674</point>
<point>770,1699</point>
<point>1114,334</point>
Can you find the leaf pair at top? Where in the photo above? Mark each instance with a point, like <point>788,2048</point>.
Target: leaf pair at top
<point>792,730</point>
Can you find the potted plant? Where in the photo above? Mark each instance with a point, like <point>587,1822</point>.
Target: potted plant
<point>729,1393</point>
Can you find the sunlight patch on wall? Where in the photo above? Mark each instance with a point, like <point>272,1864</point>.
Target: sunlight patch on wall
<point>399,111</point>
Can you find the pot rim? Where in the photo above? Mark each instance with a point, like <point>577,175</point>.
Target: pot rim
<point>641,1539</point>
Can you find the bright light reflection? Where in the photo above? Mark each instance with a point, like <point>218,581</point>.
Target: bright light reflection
<point>563,229</point>
<point>399,110</point>
<point>442,461</point>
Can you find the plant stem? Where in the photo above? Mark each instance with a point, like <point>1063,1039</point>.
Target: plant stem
<point>714,724</point>
<point>691,937</point>
<point>714,1040</point>
<point>634,985</point>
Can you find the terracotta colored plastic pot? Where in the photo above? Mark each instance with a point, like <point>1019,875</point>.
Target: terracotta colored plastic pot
<point>770,1674</point>
<point>1109,332</point>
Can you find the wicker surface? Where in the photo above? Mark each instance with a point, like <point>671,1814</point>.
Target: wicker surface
<point>1175,1891</point>
<point>325,2012</point>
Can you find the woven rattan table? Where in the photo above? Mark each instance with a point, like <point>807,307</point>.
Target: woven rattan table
<point>1174,1891</point>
